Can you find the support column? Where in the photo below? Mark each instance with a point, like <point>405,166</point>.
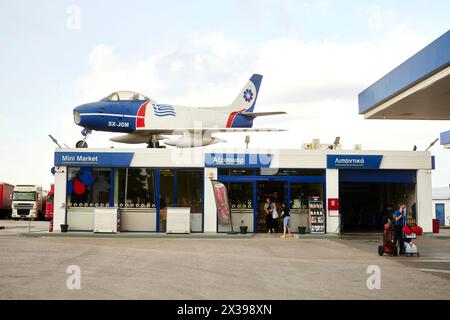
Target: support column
<point>210,211</point>
<point>332,191</point>
<point>59,204</point>
<point>424,205</point>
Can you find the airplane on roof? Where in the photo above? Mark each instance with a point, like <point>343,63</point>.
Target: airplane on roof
<point>143,120</point>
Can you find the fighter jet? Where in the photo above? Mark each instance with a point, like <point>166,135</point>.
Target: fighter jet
<point>143,120</point>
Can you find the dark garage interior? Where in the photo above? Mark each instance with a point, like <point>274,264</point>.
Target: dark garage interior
<point>365,205</point>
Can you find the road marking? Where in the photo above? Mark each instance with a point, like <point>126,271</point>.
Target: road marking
<point>435,270</point>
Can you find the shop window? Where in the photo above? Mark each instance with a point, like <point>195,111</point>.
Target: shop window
<point>300,193</point>
<point>137,188</point>
<point>136,199</point>
<point>240,197</point>
<point>190,190</point>
<point>88,187</point>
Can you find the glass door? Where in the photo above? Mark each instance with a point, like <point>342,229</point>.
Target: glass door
<point>189,193</point>
<point>275,190</point>
<point>181,188</point>
<point>166,197</point>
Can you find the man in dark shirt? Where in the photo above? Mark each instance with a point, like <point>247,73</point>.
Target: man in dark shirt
<point>398,225</point>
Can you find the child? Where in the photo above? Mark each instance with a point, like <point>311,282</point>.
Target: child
<point>286,216</point>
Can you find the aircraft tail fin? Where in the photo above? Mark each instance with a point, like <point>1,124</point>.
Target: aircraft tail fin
<point>246,99</point>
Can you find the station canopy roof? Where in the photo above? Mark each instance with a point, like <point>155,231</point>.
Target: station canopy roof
<point>418,89</point>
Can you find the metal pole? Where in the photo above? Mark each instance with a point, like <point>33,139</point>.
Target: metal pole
<point>432,144</point>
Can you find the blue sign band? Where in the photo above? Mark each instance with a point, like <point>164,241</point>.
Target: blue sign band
<point>93,159</point>
<point>242,160</point>
<point>354,161</point>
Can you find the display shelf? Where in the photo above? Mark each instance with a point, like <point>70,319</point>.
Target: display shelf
<point>317,215</point>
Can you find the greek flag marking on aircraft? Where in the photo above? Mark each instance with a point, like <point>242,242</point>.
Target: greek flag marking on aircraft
<point>162,110</point>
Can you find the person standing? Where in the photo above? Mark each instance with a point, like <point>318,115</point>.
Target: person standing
<point>286,216</point>
<point>275,216</point>
<point>269,208</point>
<point>398,225</point>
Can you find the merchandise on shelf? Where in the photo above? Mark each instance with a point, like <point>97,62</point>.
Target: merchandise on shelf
<point>316,212</point>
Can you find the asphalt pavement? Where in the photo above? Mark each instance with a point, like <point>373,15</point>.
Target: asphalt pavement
<point>260,267</point>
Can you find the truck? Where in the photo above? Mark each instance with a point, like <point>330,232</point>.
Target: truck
<point>27,202</point>
<point>6,191</point>
<point>49,203</point>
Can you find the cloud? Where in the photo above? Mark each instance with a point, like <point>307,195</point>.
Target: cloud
<point>210,69</point>
<point>321,7</point>
<point>378,17</point>
<point>375,18</point>
<point>3,119</point>
<point>203,65</point>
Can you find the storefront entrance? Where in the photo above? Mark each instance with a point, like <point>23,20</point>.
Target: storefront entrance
<point>368,198</point>
<point>248,190</point>
<point>277,192</point>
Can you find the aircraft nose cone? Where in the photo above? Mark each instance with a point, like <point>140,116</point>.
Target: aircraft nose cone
<point>77,111</point>
<point>76,115</point>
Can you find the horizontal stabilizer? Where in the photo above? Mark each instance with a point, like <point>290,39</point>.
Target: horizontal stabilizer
<point>261,114</point>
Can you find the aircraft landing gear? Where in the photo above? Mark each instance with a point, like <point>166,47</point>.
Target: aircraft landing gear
<point>82,143</point>
<point>154,142</point>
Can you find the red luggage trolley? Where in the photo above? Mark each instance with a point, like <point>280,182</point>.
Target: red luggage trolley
<point>389,246</point>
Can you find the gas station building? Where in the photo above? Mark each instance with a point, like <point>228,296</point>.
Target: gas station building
<point>329,191</point>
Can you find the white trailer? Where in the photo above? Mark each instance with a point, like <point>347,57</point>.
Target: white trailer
<point>27,202</point>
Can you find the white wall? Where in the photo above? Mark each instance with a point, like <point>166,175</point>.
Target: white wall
<point>424,212</point>
<point>446,210</point>
<point>59,214</point>
<point>210,213</point>
<point>332,190</point>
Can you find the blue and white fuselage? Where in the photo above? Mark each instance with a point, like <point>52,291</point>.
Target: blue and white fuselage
<point>143,119</point>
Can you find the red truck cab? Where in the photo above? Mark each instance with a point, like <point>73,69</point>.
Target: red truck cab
<point>49,203</point>
<point>6,191</point>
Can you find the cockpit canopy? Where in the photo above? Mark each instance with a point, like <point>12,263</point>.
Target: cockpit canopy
<point>126,96</point>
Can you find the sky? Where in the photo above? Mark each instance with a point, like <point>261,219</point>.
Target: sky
<point>315,56</point>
